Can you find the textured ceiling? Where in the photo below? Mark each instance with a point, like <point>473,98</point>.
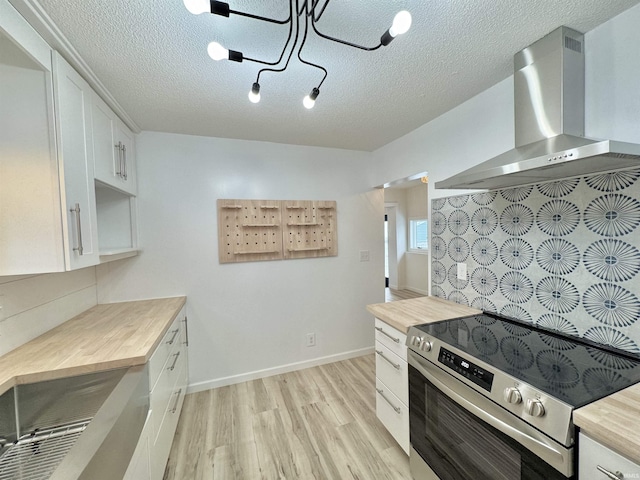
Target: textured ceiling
<point>151,56</point>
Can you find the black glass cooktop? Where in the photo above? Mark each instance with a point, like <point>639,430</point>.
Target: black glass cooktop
<point>569,369</point>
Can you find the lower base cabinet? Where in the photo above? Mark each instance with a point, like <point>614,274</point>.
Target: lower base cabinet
<point>168,380</point>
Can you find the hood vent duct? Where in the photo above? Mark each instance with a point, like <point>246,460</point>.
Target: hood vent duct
<point>549,122</point>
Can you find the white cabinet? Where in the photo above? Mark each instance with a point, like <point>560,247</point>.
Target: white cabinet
<point>168,380</point>
<point>392,383</point>
<point>46,164</point>
<point>114,148</point>
<point>75,163</point>
<point>597,462</point>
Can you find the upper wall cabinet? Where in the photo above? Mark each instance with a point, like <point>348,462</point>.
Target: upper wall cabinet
<point>114,148</point>
<point>47,214</point>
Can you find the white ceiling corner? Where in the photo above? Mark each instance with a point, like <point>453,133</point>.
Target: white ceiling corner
<point>151,57</point>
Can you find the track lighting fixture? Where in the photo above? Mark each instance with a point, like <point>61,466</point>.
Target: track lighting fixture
<point>311,11</point>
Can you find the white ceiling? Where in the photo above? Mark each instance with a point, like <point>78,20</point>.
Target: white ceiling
<point>151,56</point>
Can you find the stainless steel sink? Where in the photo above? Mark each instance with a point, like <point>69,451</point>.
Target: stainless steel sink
<point>82,427</point>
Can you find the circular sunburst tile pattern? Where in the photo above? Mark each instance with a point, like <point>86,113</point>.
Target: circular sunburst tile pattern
<point>484,221</point>
<point>484,304</point>
<point>459,201</point>
<point>484,251</point>
<point>438,203</point>
<point>611,337</point>
<point>484,198</point>
<point>612,215</point>
<point>438,291</point>
<point>557,368</point>
<point>458,222</point>
<point>455,282</point>
<point>517,194</point>
<point>516,352</point>
<point>438,248</point>
<point>458,297</point>
<point>516,253</point>
<point>516,220</point>
<point>438,223</point>
<point>611,304</point>
<point>516,287</point>
<point>558,323</point>
<point>515,312</point>
<point>557,294</point>
<point>438,272</point>
<point>558,256</point>
<point>558,189</point>
<point>484,281</point>
<point>484,340</point>
<point>558,217</point>
<point>458,249</point>
<point>614,181</point>
<point>617,362</point>
<point>612,260</point>
<point>600,381</point>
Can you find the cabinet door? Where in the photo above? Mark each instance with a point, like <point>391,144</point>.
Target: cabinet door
<point>75,164</point>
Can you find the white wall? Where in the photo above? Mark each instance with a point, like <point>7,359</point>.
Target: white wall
<point>252,316</point>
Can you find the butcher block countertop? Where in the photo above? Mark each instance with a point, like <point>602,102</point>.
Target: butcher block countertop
<point>107,336</point>
<point>614,421</point>
<point>403,314</point>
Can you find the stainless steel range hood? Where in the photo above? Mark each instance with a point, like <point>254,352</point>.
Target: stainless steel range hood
<point>549,122</point>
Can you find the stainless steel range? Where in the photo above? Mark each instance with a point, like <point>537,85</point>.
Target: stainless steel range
<point>492,398</point>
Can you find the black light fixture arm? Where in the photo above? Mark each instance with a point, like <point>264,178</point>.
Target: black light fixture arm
<point>344,42</point>
<point>290,53</point>
<point>304,39</point>
<point>285,45</point>
<point>313,9</point>
<point>222,8</point>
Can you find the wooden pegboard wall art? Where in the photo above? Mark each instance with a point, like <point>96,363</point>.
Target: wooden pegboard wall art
<point>255,230</point>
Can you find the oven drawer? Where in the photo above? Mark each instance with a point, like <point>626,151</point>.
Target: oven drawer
<point>593,455</point>
<point>391,338</point>
<point>393,372</point>
<point>393,414</point>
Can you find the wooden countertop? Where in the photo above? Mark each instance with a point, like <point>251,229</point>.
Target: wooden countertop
<point>403,314</point>
<point>614,421</point>
<point>104,337</point>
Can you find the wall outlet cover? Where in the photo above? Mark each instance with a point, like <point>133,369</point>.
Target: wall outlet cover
<point>462,271</point>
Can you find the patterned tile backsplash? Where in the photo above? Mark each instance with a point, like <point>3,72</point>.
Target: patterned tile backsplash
<point>564,255</point>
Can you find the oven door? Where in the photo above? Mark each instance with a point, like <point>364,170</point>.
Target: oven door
<point>460,434</point>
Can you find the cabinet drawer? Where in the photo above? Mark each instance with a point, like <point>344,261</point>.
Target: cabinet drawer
<point>391,338</point>
<point>171,340</point>
<point>393,414</point>
<point>593,454</point>
<point>393,372</point>
<point>164,389</point>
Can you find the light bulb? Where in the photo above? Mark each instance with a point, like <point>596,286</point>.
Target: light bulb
<point>217,51</point>
<point>198,6</point>
<point>401,23</point>
<point>308,102</point>
<point>254,93</point>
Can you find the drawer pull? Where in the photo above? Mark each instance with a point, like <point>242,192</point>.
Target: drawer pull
<point>175,405</point>
<point>381,392</point>
<point>610,474</point>
<point>175,334</point>
<point>175,360</point>
<point>186,331</point>
<point>397,340</point>
<point>394,365</point>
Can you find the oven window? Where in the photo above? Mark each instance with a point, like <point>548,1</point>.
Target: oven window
<point>457,445</point>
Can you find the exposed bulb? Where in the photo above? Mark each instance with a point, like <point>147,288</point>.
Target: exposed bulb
<point>217,51</point>
<point>254,93</point>
<point>308,102</point>
<point>198,6</point>
<point>401,23</point>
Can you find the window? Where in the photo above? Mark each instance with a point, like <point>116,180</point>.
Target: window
<point>418,234</point>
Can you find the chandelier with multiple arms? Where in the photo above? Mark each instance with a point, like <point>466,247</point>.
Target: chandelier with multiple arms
<point>311,11</point>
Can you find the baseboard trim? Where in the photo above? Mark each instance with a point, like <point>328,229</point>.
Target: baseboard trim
<point>417,290</point>
<point>268,372</point>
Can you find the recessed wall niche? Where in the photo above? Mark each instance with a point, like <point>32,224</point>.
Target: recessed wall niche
<point>257,230</point>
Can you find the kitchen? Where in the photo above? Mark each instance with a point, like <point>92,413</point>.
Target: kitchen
<point>179,196</point>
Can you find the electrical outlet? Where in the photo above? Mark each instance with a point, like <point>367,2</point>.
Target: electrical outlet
<point>311,340</point>
<point>364,255</point>
<point>462,271</point>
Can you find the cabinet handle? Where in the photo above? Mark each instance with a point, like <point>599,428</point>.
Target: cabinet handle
<point>394,365</point>
<point>118,146</point>
<point>79,248</point>
<point>175,405</point>
<point>381,392</point>
<point>610,474</point>
<point>397,340</point>
<point>175,334</point>
<point>186,331</point>
<point>175,360</point>
<point>124,159</point>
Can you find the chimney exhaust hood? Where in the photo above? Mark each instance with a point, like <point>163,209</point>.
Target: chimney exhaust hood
<point>549,123</point>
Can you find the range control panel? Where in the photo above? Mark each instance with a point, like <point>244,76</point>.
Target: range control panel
<point>467,369</point>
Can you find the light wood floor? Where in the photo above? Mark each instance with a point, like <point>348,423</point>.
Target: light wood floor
<point>318,423</point>
<point>391,295</point>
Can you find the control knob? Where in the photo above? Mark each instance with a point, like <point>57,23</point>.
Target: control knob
<point>535,408</point>
<point>416,341</point>
<point>425,345</point>
<point>512,395</point>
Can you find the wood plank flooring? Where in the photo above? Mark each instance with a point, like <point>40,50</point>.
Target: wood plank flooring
<point>391,295</point>
<point>318,423</point>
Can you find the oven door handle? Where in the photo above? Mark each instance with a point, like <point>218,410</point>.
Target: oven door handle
<point>486,410</point>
